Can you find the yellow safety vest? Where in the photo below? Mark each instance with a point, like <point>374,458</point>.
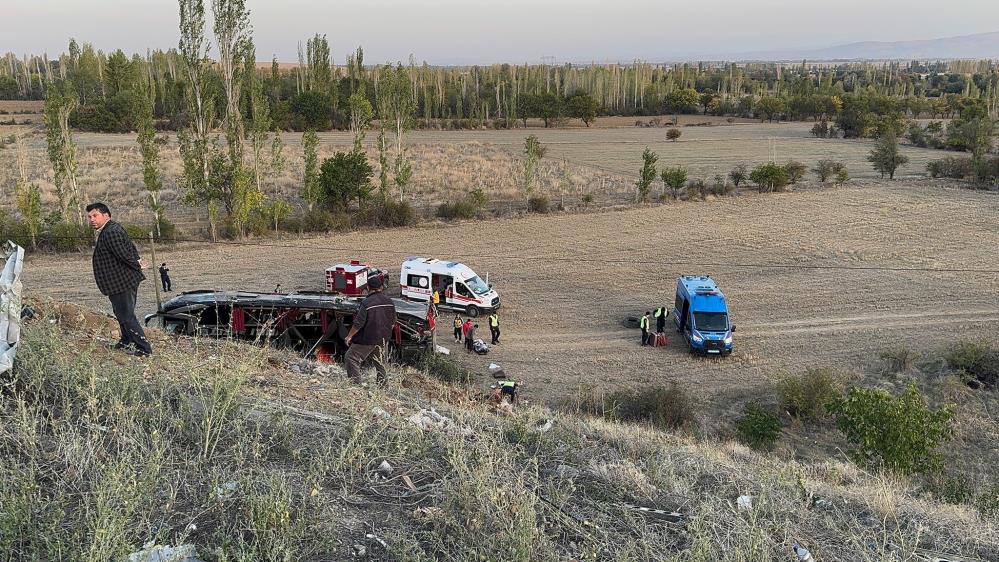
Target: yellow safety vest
<point>659,312</point>
<point>644,323</point>
<point>437,297</point>
<point>494,321</point>
<point>458,322</point>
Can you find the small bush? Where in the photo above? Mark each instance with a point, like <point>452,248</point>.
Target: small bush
<point>899,359</point>
<point>697,188</point>
<point>587,198</point>
<point>795,171</point>
<point>68,236</point>
<point>321,220</point>
<point>673,134</point>
<point>758,428</point>
<point>386,213</point>
<point>976,360</point>
<point>137,232</point>
<point>467,207</point>
<point>669,407</point>
<point>955,167</point>
<point>826,169</point>
<point>446,369</point>
<point>898,434</point>
<point>538,204</point>
<point>951,489</point>
<point>809,395</point>
<point>842,176</point>
<point>738,174</point>
<point>769,177</point>
<point>167,230</point>
<point>463,209</point>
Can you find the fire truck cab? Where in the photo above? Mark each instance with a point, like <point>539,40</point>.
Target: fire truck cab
<point>459,287</point>
<point>351,279</point>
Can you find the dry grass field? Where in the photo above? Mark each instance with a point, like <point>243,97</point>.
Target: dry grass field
<point>569,281</point>
<point>601,162</point>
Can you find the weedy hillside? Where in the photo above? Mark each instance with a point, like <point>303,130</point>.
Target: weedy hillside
<point>251,454</point>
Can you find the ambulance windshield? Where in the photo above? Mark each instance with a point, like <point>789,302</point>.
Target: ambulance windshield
<point>476,285</point>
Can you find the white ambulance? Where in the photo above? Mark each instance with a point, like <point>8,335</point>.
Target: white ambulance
<point>459,287</point>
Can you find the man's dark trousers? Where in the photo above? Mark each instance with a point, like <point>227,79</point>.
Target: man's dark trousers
<point>495,333</point>
<point>166,282</point>
<point>123,305</point>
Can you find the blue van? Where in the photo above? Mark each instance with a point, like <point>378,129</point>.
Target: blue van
<point>701,315</point>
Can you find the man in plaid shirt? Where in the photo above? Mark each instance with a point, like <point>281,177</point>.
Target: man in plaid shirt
<point>118,272</point>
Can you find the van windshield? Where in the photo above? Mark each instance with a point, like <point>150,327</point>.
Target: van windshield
<point>711,321</point>
<point>476,285</point>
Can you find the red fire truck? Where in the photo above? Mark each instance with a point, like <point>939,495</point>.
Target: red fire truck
<point>352,278</point>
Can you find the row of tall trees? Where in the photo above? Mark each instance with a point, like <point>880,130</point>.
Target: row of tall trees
<point>317,92</point>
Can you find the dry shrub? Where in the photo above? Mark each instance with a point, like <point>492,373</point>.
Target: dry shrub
<point>669,407</point>
<point>808,396</point>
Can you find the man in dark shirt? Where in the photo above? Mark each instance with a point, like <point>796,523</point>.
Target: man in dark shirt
<point>118,272</point>
<point>369,335</point>
<point>165,276</point>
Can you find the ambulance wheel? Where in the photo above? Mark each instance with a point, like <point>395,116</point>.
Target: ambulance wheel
<point>473,311</point>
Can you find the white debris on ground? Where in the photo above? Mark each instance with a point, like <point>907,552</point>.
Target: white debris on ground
<point>161,553</point>
<point>10,303</point>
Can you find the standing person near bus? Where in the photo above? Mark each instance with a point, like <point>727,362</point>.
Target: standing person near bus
<point>458,325</point>
<point>369,335</point>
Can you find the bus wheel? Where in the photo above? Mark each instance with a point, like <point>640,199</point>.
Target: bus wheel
<point>473,311</point>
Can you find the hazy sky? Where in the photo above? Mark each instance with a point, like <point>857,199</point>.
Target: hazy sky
<point>458,31</point>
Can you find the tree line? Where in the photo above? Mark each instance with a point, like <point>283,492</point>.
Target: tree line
<point>316,93</point>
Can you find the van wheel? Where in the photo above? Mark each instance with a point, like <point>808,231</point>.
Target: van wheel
<point>473,311</point>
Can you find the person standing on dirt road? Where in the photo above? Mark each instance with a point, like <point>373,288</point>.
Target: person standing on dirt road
<point>372,329</point>
<point>644,325</point>
<point>118,272</point>
<point>661,313</point>
<point>494,330</point>
<point>458,324</point>
<point>165,277</point>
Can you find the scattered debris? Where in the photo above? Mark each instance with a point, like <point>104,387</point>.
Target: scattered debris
<point>225,491</point>
<point>427,512</point>
<point>374,537</point>
<point>10,304</point>
<point>546,426</point>
<point>408,482</point>
<point>428,419</point>
<point>670,516</point>
<point>380,414</point>
<point>566,472</point>
<point>496,371</point>
<point>326,370</point>
<point>442,350</point>
<point>160,553</point>
<point>744,502</point>
<point>385,468</point>
<point>360,550</point>
<point>802,553</point>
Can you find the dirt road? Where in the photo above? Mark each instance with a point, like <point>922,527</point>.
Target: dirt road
<point>569,281</point>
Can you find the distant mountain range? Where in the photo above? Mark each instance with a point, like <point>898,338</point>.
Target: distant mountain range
<point>977,46</point>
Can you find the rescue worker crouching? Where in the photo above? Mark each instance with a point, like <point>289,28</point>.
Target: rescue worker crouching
<point>369,335</point>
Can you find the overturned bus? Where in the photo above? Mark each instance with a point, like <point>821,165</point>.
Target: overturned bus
<point>311,323</point>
